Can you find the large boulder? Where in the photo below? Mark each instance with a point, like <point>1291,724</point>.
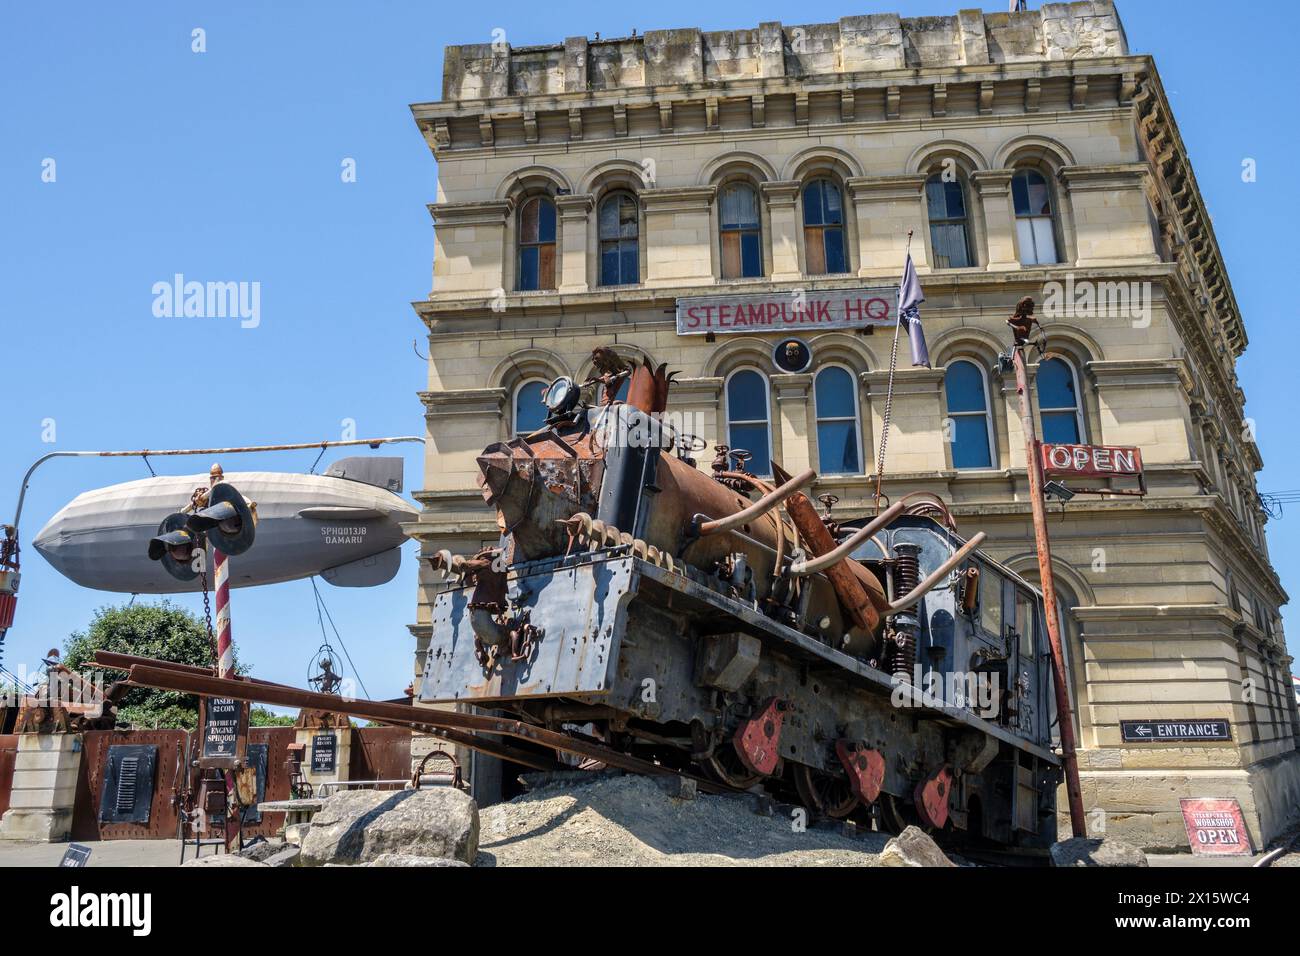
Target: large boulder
<point>224,859</point>
<point>402,859</point>
<point>1087,851</point>
<point>362,825</point>
<point>913,847</point>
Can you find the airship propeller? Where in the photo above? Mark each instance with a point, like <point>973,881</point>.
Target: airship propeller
<point>227,521</point>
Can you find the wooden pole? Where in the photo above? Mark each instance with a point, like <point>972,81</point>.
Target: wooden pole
<point>1064,714</point>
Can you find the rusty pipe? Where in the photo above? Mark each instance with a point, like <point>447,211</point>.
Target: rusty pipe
<point>845,548</point>
<point>918,592</point>
<point>758,508</point>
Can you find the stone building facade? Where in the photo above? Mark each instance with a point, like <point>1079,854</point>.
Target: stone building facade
<point>585,187</point>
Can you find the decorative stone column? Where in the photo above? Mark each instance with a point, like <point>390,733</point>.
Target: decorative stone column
<point>1143,403</point>
<point>678,235</point>
<point>1111,217</point>
<point>469,245</point>
<point>781,198</point>
<point>44,788</point>
<point>696,400</point>
<point>886,207</point>
<point>458,424</point>
<point>994,189</point>
<point>574,212</point>
<point>916,442</point>
<point>794,420</point>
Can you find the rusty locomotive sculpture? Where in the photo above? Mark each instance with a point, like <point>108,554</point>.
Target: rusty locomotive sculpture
<point>717,624</point>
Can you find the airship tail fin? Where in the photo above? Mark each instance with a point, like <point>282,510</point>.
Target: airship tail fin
<point>365,572</point>
<point>382,472</point>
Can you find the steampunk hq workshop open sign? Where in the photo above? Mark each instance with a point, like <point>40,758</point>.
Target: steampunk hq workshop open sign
<point>1215,827</point>
<point>787,311</point>
<point>1173,731</point>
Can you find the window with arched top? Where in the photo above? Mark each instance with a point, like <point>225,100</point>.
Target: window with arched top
<point>749,418</point>
<point>536,244</point>
<point>619,227</point>
<point>530,412</point>
<point>1059,408</point>
<point>970,432</point>
<point>945,203</point>
<point>1035,218</point>
<point>739,232</point>
<point>839,449</point>
<point>823,228</point>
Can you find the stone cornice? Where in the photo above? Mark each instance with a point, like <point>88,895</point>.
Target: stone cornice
<point>782,193</point>
<point>1136,373</point>
<point>575,206</point>
<point>680,198</point>
<point>1014,282</point>
<point>886,188</point>
<point>695,390</point>
<point>992,182</point>
<point>1170,162</point>
<point>464,401</point>
<point>1104,177</point>
<point>490,213</point>
<point>907,381</point>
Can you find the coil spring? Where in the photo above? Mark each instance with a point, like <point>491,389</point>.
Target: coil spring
<point>907,568</point>
<point>907,576</point>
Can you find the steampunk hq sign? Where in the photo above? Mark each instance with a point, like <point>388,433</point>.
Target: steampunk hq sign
<point>803,310</point>
<point>1173,731</point>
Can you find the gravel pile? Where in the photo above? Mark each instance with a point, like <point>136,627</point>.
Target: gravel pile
<point>630,820</point>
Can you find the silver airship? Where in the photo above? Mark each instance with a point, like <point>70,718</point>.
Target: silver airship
<point>344,525</point>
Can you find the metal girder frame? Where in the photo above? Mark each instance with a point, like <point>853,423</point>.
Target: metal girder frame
<point>465,729</point>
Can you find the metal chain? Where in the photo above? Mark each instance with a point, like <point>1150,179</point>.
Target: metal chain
<point>207,612</point>
<point>884,422</point>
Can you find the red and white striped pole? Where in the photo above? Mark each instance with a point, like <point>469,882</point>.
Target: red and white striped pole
<point>225,656</point>
<point>221,576</point>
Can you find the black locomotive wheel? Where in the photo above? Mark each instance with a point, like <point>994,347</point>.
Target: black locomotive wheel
<point>725,766</point>
<point>826,794</point>
<point>898,815</point>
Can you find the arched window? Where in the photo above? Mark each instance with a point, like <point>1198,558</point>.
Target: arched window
<point>537,244</point>
<point>823,228</point>
<point>620,228</point>
<point>1058,403</point>
<point>530,413</point>
<point>742,251</point>
<point>971,431</point>
<point>945,202</point>
<point>838,451</point>
<point>1035,219</point>
<point>749,418</point>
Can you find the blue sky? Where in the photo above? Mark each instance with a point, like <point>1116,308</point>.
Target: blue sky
<point>226,165</point>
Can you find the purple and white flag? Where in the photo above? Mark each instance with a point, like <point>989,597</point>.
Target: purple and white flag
<point>910,298</point>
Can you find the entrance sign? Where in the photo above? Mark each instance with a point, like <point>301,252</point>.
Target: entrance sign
<point>1215,827</point>
<point>1092,461</point>
<point>1145,731</point>
<point>324,750</point>
<point>786,312</point>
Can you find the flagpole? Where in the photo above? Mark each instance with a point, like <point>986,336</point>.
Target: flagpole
<point>889,393</point>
